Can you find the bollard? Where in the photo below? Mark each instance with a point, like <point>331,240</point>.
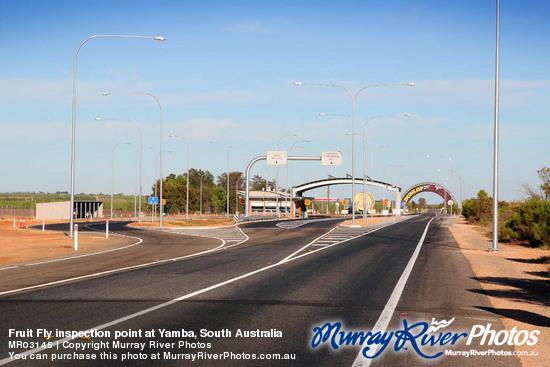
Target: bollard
<point>13,222</point>
<point>42,225</point>
<point>107,229</point>
<point>76,237</point>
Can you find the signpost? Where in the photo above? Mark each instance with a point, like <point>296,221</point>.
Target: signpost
<point>331,158</point>
<point>276,157</point>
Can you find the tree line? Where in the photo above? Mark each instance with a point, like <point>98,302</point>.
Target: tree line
<point>207,194</point>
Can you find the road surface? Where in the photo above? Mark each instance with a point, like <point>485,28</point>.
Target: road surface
<point>267,300</point>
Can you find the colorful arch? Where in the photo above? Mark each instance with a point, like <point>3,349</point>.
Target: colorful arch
<point>427,187</point>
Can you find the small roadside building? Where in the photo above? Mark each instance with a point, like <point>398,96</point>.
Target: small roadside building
<point>265,202</point>
<point>61,210</point>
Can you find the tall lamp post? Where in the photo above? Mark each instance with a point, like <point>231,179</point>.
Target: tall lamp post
<point>188,181</point>
<point>496,128</point>
<point>287,186</point>
<point>237,195</point>
<point>200,202</point>
<point>159,177</point>
<point>277,178</point>
<point>365,123</point>
<point>140,153</point>
<point>160,107</point>
<point>353,98</point>
<point>113,174</point>
<point>461,184</point>
<point>452,174</point>
<point>227,147</point>
<point>396,173</point>
<point>73,138</point>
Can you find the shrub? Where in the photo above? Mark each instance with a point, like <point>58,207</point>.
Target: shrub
<point>531,223</point>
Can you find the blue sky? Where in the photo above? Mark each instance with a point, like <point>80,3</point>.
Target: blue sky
<point>226,73</point>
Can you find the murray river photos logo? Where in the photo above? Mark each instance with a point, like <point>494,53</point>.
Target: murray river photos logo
<point>419,337</point>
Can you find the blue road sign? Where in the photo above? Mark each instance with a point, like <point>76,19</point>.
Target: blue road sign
<point>153,200</point>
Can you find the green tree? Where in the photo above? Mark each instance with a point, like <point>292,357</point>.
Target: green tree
<point>544,175</point>
<point>218,199</point>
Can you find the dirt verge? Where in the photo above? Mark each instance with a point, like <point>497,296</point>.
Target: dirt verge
<point>517,282</point>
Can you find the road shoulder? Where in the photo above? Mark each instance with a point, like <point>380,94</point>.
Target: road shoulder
<point>516,284</point>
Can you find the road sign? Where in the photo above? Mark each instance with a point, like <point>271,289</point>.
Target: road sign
<point>450,202</point>
<point>331,158</point>
<point>276,157</point>
<point>385,202</point>
<point>163,201</point>
<point>345,201</point>
<point>153,200</point>
<point>307,201</point>
<point>403,204</point>
<point>242,201</point>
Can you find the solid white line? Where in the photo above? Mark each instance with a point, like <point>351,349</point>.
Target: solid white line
<point>84,255</point>
<point>58,282</point>
<point>389,309</point>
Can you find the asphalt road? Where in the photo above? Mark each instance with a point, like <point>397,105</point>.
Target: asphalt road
<point>274,282</point>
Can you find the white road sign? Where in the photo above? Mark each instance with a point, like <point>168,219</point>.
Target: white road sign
<point>276,157</point>
<point>331,158</point>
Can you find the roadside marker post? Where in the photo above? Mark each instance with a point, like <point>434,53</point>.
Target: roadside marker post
<point>107,229</point>
<point>76,237</point>
<point>13,222</point>
<point>42,225</point>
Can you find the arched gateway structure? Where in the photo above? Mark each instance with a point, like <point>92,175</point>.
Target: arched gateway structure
<point>298,190</point>
<point>428,187</point>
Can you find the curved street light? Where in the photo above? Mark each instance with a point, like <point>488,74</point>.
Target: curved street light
<point>188,180</point>
<point>452,174</point>
<point>396,173</point>
<point>140,153</point>
<point>227,147</point>
<point>353,98</point>
<point>73,137</point>
<point>161,212</point>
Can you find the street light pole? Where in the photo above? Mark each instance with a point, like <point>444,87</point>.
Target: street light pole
<point>452,175</point>
<point>237,195</point>
<point>396,173</point>
<point>277,179</point>
<point>287,186</point>
<point>159,154</point>
<point>140,154</point>
<point>496,128</point>
<point>73,134</point>
<point>113,174</point>
<point>227,147</point>
<point>365,152</point>
<point>160,107</point>
<point>353,98</point>
<point>200,202</point>
<point>188,181</point>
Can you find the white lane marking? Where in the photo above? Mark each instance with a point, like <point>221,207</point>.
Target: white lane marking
<point>168,303</point>
<point>389,309</point>
<point>84,255</point>
<point>9,267</point>
<point>298,223</point>
<point>157,262</point>
<point>316,242</point>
